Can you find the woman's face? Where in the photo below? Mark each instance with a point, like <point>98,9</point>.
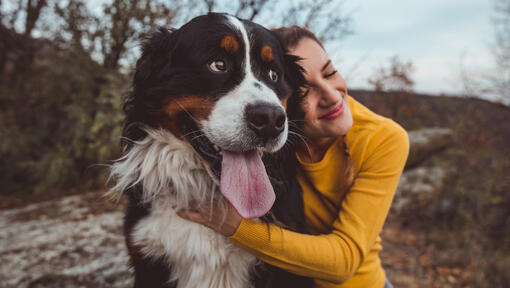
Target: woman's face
<point>325,104</point>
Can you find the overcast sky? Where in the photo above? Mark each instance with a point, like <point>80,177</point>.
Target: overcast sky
<point>438,36</point>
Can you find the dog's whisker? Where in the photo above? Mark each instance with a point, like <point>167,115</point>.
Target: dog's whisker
<point>303,139</point>
<point>187,112</point>
<point>196,137</point>
<point>190,133</point>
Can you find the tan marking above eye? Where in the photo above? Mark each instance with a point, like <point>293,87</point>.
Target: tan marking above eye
<point>229,43</point>
<point>266,53</point>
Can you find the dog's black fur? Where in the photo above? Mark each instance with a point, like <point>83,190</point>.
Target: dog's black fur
<point>166,68</point>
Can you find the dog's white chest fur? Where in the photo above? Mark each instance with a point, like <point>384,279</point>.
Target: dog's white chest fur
<point>199,256</point>
<point>173,175</point>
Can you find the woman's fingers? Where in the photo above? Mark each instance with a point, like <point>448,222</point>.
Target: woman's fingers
<point>189,215</point>
<point>202,208</point>
<point>221,218</point>
<point>198,215</point>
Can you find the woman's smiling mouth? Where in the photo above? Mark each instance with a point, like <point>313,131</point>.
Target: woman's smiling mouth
<point>335,113</point>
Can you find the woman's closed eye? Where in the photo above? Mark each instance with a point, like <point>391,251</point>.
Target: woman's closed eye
<point>329,75</point>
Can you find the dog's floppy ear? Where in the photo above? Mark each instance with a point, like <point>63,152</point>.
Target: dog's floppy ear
<point>294,76</point>
<point>157,51</point>
<point>294,73</point>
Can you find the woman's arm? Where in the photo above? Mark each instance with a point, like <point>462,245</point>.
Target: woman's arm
<point>336,256</point>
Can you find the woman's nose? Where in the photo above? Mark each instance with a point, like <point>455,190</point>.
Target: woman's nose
<point>329,95</point>
<point>332,92</point>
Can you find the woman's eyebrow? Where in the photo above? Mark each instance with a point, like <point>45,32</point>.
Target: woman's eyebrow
<point>326,65</point>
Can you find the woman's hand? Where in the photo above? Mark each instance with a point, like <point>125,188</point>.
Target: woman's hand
<point>224,219</point>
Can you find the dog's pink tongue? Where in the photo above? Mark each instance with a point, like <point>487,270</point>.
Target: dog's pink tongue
<point>245,184</point>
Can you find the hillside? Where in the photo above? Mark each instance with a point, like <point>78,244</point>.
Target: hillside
<point>462,236</point>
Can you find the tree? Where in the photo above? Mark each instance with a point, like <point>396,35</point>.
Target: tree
<point>326,18</point>
<point>493,81</point>
<point>396,85</point>
<point>121,25</point>
<point>110,36</point>
<point>395,78</point>
<point>30,9</point>
<point>501,83</point>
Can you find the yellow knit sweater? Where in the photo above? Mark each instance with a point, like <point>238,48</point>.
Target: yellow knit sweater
<point>345,223</point>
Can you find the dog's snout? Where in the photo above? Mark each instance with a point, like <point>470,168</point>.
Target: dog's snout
<point>266,120</point>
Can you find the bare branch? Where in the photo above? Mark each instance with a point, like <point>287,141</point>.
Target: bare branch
<point>14,14</point>
<point>396,77</point>
<point>494,81</point>
<point>249,9</point>
<point>317,16</point>
<point>77,19</point>
<point>110,37</point>
<point>33,13</point>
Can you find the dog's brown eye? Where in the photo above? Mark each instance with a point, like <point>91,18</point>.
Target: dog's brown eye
<point>218,66</point>
<point>273,76</point>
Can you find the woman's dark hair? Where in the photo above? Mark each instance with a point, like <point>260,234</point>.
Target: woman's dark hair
<point>293,34</point>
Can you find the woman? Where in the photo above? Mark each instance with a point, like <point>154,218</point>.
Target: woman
<point>346,198</point>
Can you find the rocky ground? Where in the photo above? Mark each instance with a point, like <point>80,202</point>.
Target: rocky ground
<point>72,242</point>
<point>77,241</point>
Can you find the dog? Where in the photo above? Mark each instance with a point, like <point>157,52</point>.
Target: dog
<point>204,122</point>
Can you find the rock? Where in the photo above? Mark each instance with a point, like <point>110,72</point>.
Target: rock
<point>425,142</point>
<point>419,191</point>
<point>63,243</point>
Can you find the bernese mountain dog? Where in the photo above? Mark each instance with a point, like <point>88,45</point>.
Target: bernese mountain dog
<point>206,122</point>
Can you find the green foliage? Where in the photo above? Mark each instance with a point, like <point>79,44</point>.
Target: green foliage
<point>61,116</point>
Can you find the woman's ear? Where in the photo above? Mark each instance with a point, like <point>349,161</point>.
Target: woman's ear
<point>157,52</point>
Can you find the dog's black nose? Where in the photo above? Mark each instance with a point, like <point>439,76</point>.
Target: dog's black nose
<point>265,119</point>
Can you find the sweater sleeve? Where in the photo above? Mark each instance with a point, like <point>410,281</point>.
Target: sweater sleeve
<point>336,256</point>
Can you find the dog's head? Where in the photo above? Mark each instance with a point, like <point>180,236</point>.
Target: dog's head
<point>223,85</point>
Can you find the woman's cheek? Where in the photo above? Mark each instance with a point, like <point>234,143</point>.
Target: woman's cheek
<point>305,106</point>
